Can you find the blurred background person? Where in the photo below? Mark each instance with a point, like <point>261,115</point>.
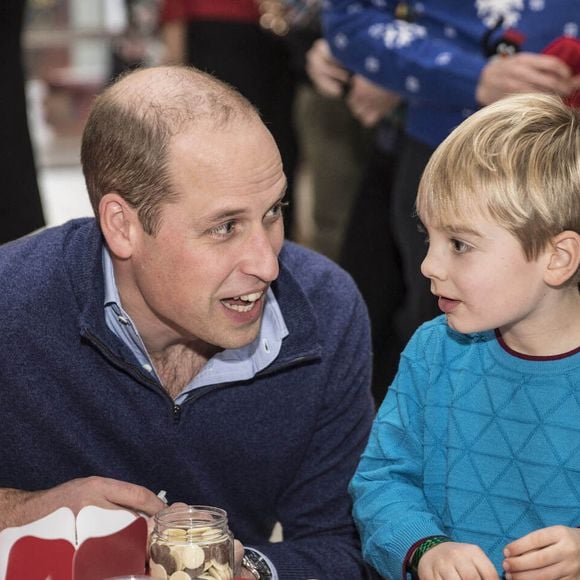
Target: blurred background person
<point>446,59</point>
<point>352,132</point>
<point>20,205</point>
<point>369,252</point>
<point>334,145</point>
<point>237,41</point>
<point>138,43</point>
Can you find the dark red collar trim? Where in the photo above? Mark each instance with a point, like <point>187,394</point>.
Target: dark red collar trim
<point>532,357</point>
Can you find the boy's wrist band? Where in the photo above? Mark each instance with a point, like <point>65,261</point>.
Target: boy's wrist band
<point>423,548</point>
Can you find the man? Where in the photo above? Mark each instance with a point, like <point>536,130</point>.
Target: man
<point>176,342</point>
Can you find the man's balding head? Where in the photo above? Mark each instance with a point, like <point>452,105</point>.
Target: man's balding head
<point>125,146</point>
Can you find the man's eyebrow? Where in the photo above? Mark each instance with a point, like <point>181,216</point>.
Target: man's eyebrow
<point>233,212</point>
<point>225,214</point>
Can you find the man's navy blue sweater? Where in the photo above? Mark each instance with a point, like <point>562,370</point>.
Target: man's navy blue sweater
<point>74,402</point>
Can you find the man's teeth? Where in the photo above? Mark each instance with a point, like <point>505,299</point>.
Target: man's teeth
<point>250,298</point>
<point>239,307</point>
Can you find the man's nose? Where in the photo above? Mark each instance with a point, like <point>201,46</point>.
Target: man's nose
<point>261,255</point>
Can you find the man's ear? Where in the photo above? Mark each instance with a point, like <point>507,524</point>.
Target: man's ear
<point>564,259</point>
<point>118,222</point>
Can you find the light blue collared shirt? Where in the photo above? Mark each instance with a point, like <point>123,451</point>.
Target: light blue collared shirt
<point>229,365</point>
<point>226,366</point>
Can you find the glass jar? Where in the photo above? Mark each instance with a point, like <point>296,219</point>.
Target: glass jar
<point>190,542</point>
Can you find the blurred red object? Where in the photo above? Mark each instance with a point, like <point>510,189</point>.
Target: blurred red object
<point>567,49</point>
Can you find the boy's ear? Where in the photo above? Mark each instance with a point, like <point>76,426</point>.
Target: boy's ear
<point>118,221</point>
<point>564,259</point>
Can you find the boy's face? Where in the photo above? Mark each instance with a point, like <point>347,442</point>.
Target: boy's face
<point>482,277</point>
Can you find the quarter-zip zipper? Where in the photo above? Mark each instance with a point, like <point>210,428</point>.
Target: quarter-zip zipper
<point>133,370</point>
<point>177,408</point>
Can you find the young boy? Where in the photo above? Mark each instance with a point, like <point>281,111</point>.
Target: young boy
<point>473,466</point>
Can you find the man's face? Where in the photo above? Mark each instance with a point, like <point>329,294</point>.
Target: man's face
<point>204,275</point>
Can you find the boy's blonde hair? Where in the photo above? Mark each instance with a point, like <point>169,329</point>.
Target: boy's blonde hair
<point>516,161</point>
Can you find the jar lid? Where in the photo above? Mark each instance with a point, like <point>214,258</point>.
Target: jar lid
<point>191,516</point>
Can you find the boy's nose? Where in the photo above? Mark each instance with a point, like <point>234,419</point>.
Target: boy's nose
<point>432,267</point>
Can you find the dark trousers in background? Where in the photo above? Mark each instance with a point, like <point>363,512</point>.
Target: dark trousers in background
<point>383,251</point>
<point>257,63</point>
<point>371,257</point>
<point>419,305</point>
<point>335,148</point>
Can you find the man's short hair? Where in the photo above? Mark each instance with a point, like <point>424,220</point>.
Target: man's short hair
<point>125,145</point>
<point>516,161</point>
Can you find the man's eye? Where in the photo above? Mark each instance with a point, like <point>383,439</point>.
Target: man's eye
<point>277,209</point>
<point>224,230</point>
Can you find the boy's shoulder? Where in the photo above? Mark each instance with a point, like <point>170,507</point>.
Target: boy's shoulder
<point>435,338</point>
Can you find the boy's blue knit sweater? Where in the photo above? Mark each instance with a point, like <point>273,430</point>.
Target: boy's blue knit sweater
<point>74,402</point>
<point>472,442</point>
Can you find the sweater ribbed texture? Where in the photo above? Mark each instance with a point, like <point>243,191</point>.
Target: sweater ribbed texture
<point>281,447</point>
<point>471,442</point>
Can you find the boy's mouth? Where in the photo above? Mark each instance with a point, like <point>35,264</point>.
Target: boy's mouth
<point>447,305</point>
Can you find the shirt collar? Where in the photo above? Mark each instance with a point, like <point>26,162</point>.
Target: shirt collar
<point>229,365</point>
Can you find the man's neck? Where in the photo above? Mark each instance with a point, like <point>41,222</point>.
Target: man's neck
<point>179,364</point>
<point>176,362</point>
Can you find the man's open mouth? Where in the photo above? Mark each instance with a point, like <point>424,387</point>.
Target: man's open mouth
<point>243,303</point>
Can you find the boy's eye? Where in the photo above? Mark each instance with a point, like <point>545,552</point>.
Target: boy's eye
<point>422,230</point>
<point>459,247</point>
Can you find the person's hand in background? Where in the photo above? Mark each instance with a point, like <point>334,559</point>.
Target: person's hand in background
<point>524,72</point>
<point>329,77</point>
<point>369,102</point>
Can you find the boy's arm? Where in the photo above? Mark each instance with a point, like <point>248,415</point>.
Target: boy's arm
<point>389,505</point>
<point>390,508</point>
